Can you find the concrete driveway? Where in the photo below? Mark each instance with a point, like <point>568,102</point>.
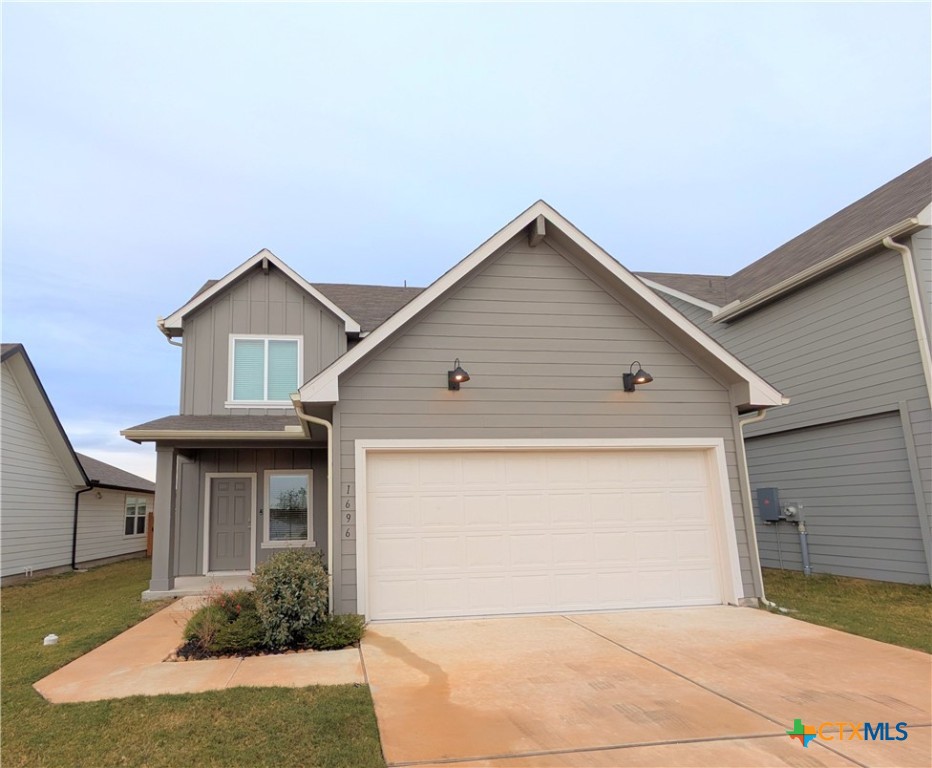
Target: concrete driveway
<point>713,686</point>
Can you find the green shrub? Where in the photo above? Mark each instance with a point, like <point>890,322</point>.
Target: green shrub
<point>244,633</point>
<point>201,630</point>
<point>228,623</point>
<point>334,632</point>
<point>292,592</point>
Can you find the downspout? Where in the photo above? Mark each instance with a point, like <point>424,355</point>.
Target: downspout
<point>299,410</point>
<point>74,529</point>
<point>759,416</point>
<point>915,301</point>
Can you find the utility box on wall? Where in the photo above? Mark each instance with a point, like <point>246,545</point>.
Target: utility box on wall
<point>768,504</point>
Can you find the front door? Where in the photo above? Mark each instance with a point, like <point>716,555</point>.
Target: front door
<point>230,523</point>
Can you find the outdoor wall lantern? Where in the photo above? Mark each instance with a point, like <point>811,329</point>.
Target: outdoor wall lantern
<point>457,376</point>
<point>632,379</point>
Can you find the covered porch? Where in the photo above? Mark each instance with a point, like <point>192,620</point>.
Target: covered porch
<point>227,499</point>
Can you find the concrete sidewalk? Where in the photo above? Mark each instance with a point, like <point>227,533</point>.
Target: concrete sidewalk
<point>133,664</point>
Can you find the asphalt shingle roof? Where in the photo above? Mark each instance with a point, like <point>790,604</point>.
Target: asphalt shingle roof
<point>101,473</point>
<point>220,423</point>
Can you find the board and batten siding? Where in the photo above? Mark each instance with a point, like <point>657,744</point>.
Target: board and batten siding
<point>844,347</point>
<point>101,525</point>
<point>853,480</point>
<point>190,500</point>
<point>259,303</point>
<point>36,497</point>
<point>546,346</point>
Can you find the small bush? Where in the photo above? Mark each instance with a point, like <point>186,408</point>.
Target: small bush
<point>201,630</point>
<point>227,624</point>
<point>334,632</point>
<point>292,591</point>
<point>244,633</point>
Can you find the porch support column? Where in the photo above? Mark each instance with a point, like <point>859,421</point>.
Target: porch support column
<point>163,553</point>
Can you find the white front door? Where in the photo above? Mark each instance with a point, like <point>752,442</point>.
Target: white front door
<point>460,533</point>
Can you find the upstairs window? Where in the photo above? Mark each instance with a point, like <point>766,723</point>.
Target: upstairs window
<point>263,369</point>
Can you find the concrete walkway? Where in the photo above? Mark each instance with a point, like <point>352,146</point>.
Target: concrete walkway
<point>712,686</point>
<point>133,664</point>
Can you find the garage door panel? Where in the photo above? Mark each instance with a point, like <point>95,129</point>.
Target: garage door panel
<point>519,532</point>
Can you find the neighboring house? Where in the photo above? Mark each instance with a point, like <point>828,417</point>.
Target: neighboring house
<point>58,509</point>
<point>838,319</point>
<point>329,416</point>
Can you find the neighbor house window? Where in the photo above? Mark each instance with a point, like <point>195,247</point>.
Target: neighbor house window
<point>288,516</point>
<point>134,523</point>
<point>263,369</point>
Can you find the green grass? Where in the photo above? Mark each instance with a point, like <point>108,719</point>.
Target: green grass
<point>315,726</point>
<point>900,614</point>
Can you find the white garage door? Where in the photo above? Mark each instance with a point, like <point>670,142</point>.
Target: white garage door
<point>470,533</point>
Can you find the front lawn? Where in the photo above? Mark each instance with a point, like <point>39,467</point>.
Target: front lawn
<point>315,726</point>
<point>892,613</point>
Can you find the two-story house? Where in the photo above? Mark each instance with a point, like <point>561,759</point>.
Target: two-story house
<point>536,431</point>
<point>838,318</point>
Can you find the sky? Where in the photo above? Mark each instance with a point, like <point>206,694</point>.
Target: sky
<point>148,147</point>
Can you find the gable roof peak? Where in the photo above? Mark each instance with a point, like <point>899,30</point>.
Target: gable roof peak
<point>174,323</point>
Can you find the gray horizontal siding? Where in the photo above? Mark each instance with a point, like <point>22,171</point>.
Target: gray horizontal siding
<point>921,247</point>
<point>190,501</point>
<point>854,483</point>
<point>267,304</point>
<point>546,347</point>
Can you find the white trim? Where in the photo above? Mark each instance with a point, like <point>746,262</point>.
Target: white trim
<point>268,543</point>
<point>680,295</point>
<point>737,308</point>
<point>726,538</point>
<point>299,373</point>
<point>175,320</point>
<point>915,303</point>
<point>145,515</point>
<point>208,477</point>
<point>145,435</point>
<point>324,388</point>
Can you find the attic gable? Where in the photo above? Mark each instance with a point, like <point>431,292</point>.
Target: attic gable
<point>173,325</point>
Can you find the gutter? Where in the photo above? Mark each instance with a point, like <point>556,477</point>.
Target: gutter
<point>160,323</point>
<point>306,419</point>
<point>74,529</point>
<point>143,435</point>
<point>738,308</point>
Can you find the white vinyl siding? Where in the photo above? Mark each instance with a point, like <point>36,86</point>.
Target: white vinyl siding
<point>263,370</point>
<point>36,498</point>
<point>101,525</point>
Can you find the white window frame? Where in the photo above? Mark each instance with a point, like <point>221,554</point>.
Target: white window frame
<point>267,543</point>
<point>136,516</point>
<point>234,337</point>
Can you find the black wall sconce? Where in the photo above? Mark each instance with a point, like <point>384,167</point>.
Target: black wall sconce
<point>632,379</point>
<point>456,377</point>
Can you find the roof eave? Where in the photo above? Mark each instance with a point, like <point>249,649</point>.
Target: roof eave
<point>174,323</point>
<point>181,435</point>
<point>738,308</point>
<point>324,388</point>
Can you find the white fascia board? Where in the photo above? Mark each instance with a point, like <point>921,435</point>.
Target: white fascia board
<point>324,388</point>
<point>708,307</point>
<point>737,308</point>
<point>148,435</point>
<point>176,318</point>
